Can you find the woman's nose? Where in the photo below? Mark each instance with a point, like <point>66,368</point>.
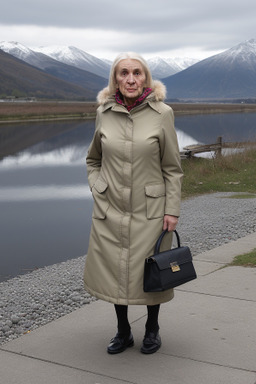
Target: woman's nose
<point>131,79</point>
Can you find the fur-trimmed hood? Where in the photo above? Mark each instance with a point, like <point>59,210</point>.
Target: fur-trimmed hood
<point>158,93</point>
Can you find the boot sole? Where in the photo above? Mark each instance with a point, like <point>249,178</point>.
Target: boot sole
<point>131,344</point>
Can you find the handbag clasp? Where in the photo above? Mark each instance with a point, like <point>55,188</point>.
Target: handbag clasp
<point>175,267</point>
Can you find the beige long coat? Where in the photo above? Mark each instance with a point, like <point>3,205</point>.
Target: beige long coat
<point>134,173</point>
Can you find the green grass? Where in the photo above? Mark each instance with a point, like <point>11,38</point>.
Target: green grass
<point>234,173</point>
<point>246,260</point>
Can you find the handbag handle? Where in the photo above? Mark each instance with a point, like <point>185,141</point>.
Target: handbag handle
<point>158,243</point>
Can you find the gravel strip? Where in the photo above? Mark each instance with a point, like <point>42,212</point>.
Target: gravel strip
<point>32,300</point>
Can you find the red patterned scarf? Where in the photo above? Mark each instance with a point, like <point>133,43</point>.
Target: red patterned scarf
<point>120,100</point>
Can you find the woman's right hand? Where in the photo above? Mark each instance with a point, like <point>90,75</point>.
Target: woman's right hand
<point>170,222</point>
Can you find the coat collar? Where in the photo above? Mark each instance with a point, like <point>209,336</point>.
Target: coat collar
<point>107,101</point>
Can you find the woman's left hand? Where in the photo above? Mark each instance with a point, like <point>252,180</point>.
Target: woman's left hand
<point>170,222</point>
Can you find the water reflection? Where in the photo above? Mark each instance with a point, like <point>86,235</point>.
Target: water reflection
<point>53,192</point>
<point>45,202</point>
<point>233,127</point>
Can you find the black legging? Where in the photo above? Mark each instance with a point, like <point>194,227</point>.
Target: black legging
<point>123,324</point>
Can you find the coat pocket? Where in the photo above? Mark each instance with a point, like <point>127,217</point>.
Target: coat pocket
<point>155,200</point>
<point>101,203</point>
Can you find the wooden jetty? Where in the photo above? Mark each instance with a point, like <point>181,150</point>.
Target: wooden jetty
<point>191,150</point>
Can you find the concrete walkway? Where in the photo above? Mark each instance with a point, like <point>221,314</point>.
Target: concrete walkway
<point>208,333</point>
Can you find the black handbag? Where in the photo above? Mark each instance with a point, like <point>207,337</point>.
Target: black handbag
<point>168,269</point>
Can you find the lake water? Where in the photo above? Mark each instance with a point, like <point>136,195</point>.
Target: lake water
<point>45,202</point>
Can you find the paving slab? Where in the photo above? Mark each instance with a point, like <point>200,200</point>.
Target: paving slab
<point>205,267</point>
<point>210,329</point>
<point>18,369</point>
<point>226,252</point>
<point>234,282</point>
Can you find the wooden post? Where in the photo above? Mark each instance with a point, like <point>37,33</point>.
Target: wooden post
<point>218,151</point>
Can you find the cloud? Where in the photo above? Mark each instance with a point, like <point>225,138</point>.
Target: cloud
<point>113,26</point>
<point>131,16</point>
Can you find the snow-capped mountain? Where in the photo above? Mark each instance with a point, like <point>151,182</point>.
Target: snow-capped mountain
<point>23,53</point>
<point>230,74</point>
<point>26,54</point>
<point>107,61</point>
<point>161,68</point>
<point>243,54</point>
<point>19,79</point>
<point>42,57</point>
<point>183,62</point>
<point>65,72</point>
<point>77,58</point>
<point>13,47</point>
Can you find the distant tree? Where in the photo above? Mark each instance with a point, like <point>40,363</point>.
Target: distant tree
<point>17,93</point>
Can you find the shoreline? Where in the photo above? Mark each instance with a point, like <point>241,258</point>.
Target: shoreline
<point>16,112</point>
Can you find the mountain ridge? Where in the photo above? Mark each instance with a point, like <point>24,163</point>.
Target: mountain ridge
<point>228,75</point>
<point>75,57</point>
<point>63,71</point>
<point>18,78</point>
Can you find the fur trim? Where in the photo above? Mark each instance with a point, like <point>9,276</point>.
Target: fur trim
<point>159,92</point>
<point>103,96</point>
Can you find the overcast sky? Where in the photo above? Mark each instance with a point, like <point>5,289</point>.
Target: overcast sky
<point>104,28</point>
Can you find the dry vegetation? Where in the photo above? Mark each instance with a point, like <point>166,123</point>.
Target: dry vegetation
<point>53,109</point>
<point>47,109</point>
<point>207,108</point>
<point>233,173</point>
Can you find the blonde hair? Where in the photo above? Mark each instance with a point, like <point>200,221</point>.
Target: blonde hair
<point>132,56</point>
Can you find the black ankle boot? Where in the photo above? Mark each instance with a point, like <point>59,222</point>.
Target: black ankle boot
<point>120,342</point>
<point>151,342</point>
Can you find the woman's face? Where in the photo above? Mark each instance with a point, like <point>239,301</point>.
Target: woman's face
<point>131,79</point>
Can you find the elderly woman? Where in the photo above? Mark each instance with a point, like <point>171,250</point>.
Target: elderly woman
<point>134,173</point>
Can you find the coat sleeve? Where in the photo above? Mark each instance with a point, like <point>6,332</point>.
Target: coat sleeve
<point>170,163</point>
<point>94,155</point>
